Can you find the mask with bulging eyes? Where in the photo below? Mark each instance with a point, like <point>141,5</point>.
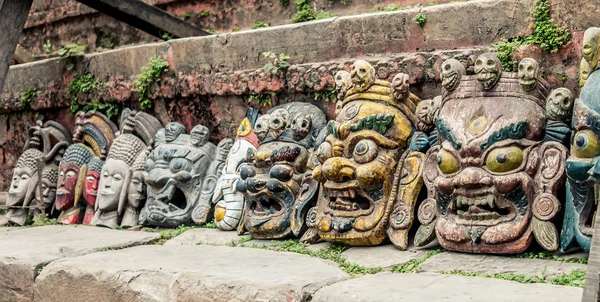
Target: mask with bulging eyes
<point>488,69</point>
<point>559,104</point>
<point>362,75</point>
<point>452,72</point>
<point>528,73</point>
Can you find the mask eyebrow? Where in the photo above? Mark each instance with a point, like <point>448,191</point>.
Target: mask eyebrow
<point>512,131</point>
<point>445,132</point>
<point>379,139</point>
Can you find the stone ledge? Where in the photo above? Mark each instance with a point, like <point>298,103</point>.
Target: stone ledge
<point>385,287</point>
<point>316,41</point>
<point>23,251</point>
<point>186,273</point>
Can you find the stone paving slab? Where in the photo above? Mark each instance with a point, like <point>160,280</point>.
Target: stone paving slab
<point>206,236</point>
<point>24,250</point>
<point>381,256</point>
<point>488,264</point>
<point>429,287</point>
<point>185,273</point>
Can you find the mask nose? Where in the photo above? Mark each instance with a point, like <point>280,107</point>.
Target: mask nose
<point>338,169</point>
<point>472,178</point>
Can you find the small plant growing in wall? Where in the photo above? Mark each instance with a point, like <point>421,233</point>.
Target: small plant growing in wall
<point>186,15</point>
<point>166,36</point>
<point>69,51</point>
<point>261,99</point>
<point>259,24</point>
<point>26,97</point>
<point>326,96</point>
<point>421,19</point>
<point>149,74</point>
<point>48,47</point>
<point>82,84</point>
<point>277,63</point>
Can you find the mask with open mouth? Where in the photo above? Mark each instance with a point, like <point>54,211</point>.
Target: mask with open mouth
<point>176,171</point>
<point>368,177</point>
<point>583,166</point>
<point>493,179</point>
<point>277,183</point>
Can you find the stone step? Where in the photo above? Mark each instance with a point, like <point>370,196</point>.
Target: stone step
<point>23,251</point>
<point>430,287</point>
<point>186,273</point>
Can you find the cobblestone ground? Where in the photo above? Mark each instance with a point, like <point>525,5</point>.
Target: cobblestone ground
<point>81,263</point>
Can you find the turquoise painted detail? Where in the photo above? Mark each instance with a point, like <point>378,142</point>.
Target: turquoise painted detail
<point>444,131</point>
<point>512,131</point>
<point>377,122</point>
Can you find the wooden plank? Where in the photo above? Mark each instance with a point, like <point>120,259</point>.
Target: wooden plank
<point>592,280</point>
<point>13,14</point>
<point>148,18</point>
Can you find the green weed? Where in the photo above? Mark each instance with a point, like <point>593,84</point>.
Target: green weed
<point>150,73</point>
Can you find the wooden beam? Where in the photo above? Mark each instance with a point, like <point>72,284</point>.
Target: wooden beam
<point>146,17</point>
<point>592,279</point>
<point>13,14</point>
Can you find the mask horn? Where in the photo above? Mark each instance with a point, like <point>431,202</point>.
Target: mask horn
<point>80,184</point>
<point>124,191</point>
<point>33,182</point>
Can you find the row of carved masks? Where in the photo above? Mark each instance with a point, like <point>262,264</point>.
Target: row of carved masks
<point>228,202</point>
<point>92,136</point>
<point>493,179</point>
<point>34,179</point>
<point>583,168</point>
<point>277,181</point>
<point>176,169</point>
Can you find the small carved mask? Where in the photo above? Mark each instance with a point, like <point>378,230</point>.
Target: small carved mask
<point>591,38</point>
<point>199,135</point>
<point>111,184</point>
<point>25,179</point>
<point>528,72</point>
<point>136,193</point>
<point>90,189</point>
<point>342,83</point>
<point>362,74</point>
<point>400,84</point>
<point>48,193</point>
<point>427,111</point>
<point>488,69</point>
<point>560,104</point>
<point>173,130</point>
<point>452,72</point>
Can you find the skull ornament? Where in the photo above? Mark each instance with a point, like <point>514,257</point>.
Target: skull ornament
<point>343,82</point>
<point>452,72</point>
<point>362,75</point>
<point>528,72</point>
<point>492,181</point>
<point>559,104</point>
<point>488,69</point>
<point>590,51</point>
<point>400,84</point>
<point>426,112</point>
<point>277,183</point>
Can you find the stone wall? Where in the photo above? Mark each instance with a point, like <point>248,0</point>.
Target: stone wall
<point>62,21</point>
<point>210,79</point>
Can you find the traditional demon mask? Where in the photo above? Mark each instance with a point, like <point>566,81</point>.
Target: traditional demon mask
<point>277,183</point>
<point>583,165</point>
<point>360,166</point>
<point>452,72</point>
<point>35,168</point>
<point>492,181</point>
<point>529,72</point>
<point>90,188</point>
<point>137,131</point>
<point>176,171</point>
<point>488,69</point>
<point>93,134</point>
<point>230,202</point>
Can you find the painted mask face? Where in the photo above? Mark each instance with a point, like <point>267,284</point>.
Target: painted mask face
<point>67,181</point>
<point>583,169</point>
<point>90,187</point>
<point>136,193</point>
<point>492,181</point>
<point>273,180</point>
<point>111,184</point>
<point>176,171</point>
